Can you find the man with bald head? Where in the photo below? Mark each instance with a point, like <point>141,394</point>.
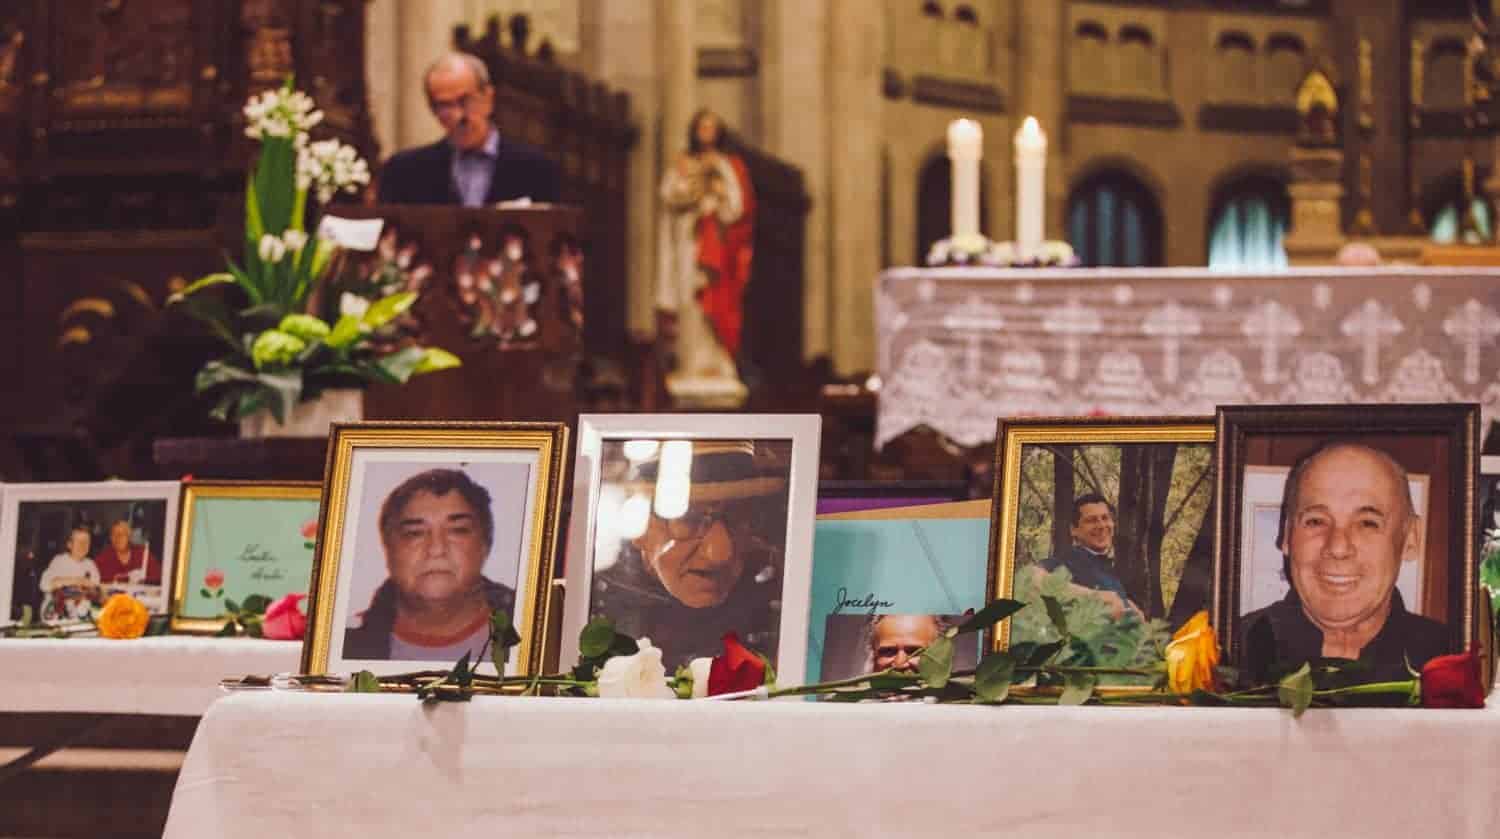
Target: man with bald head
<point>1347,524</point>
<point>473,165</point>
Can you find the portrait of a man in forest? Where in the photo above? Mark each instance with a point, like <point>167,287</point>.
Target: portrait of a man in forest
<point>1118,533</point>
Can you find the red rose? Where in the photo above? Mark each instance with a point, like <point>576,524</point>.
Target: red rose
<point>214,579</point>
<point>736,670</point>
<point>284,620</point>
<point>1452,681</point>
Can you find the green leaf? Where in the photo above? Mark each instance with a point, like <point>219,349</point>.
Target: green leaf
<point>363,682</point>
<point>386,309</point>
<point>503,636</point>
<point>1056,614</point>
<point>254,228</point>
<point>1295,690</point>
<point>231,606</point>
<point>1044,653</point>
<point>400,365</point>
<point>1077,688</point>
<point>257,603</point>
<point>936,664</point>
<point>221,278</point>
<point>345,332</point>
<point>992,613</point>
<point>768,676</point>
<point>27,616</point>
<point>1489,572</point>
<point>228,630</point>
<point>993,676</point>
<point>220,372</point>
<point>323,251</point>
<point>435,359</point>
<point>596,637</point>
<point>286,389</point>
<point>203,592</point>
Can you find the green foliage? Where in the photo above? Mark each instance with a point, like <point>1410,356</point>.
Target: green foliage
<point>992,679</point>
<point>936,664</point>
<point>1095,638</point>
<point>993,612</point>
<point>363,682</point>
<point>1295,690</point>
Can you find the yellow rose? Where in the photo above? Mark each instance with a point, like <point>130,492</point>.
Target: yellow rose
<point>123,617</point>
<point>1192,656</point>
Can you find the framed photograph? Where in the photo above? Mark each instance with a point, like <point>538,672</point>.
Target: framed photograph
<point>65,547</point>
<point>686,527</point>
<point>1113,518</point>
<point>884,588</point>
<point>425,529</point>
<point>1346,532</point>
<point>241,539</point>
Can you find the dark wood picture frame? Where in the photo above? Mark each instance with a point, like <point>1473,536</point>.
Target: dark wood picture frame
<point>1444,443</point>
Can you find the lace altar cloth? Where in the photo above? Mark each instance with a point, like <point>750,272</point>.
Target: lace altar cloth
<point>960,347</point>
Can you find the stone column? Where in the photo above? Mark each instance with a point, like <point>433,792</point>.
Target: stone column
<point>856,41</point>
<point>628,56</point>
<point>1373,59</point>
<point>795,104</point>
<point>1040,92</point>
<point>383,71</point>
<point>426,32</point>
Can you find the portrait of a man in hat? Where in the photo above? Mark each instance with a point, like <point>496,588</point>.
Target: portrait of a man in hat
<point>698,544</point>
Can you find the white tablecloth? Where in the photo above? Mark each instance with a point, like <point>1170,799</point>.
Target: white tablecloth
<point>959,347</point>
<point>159,675</point>
<point>272,764</point>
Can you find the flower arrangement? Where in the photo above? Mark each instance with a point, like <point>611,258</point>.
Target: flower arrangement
<point>121,617</point>
<point>1489,567</point>
<point>979,250</point>
<point>279,353</point>
<point>1184,671</point>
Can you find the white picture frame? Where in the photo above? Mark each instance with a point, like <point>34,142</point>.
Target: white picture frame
<point>36,520</point>
<point>598,502</point>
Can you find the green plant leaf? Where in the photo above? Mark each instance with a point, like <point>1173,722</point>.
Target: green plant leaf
<point>220,278</point>
<point>1489,572</point>
<point>400,365</point>
<point>386,309</point>
<point>1043,653</point>
<point>286,389</point>
<point>345,332</point>
<point>256,603</point>
<point>1295,690</point>
<point>231,606</point>
<point>503,636</point>
<point>254,227</point>
<point>596,637</point>
<point>228,630</point>
<point>435,359</point>
<point>323,251</point>
<point>1057,615</point>
<point>936,664</point>
<point>363,682</point>
<point>1077,688</point>
<point>220,372</point>
<point>993,677</point>
<point>993,612</point>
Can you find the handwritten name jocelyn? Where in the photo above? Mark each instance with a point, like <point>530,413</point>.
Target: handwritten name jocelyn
<point>869,603</point>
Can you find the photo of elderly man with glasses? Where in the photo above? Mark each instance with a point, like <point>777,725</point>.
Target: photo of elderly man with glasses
<point>700,533</point>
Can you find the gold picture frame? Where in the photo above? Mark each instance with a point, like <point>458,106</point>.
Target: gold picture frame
<point>234,546</point>
<point>380,462</point>
<point>1030,529</point>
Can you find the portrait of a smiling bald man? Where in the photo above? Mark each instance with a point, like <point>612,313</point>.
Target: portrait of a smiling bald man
<point>1347,524</point>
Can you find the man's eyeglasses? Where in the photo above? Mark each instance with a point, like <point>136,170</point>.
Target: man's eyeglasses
<point>462,103</point>
<point>694,524</point>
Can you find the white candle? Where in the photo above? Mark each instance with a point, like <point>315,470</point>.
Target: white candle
<point>965,141</point>
<point>1031,195</point>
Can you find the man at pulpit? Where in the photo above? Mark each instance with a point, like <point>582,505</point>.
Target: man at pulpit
<point>473,165</point>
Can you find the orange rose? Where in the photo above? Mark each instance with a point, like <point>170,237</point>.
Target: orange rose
<point>123,617</point>
<point>1192,656</point>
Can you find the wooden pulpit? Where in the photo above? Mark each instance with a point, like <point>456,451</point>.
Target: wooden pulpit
<point>502,289</point>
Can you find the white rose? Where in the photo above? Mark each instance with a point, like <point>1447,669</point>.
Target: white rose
<point>639,676</point>
<point>699,668</point>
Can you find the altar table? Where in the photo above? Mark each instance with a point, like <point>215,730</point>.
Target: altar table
<point>168,675</point>
<point>273,764</point>
<point>959,347</point>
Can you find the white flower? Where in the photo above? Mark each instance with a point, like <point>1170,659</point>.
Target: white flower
<point>1000,254</point>
<point>271,249</point>
<point>280,113</point>
<point>969,244</point>
<point>330,166</point>
<point>699,668</point>
<point>353,305</point>
<point>1057,253</point>
<point>639,676</point>
<point>294,240</point>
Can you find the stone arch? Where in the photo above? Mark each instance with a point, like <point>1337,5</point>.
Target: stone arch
<point>1115,214</point>
<point>1286,63</point>
<point>1235,53</point>
<point>1249,213</point>
<point>1139,60</point>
